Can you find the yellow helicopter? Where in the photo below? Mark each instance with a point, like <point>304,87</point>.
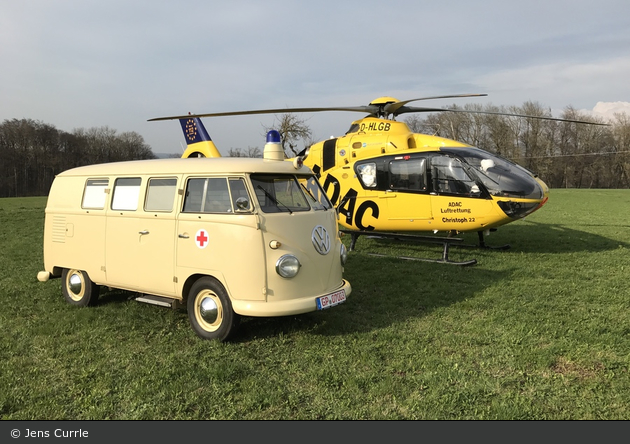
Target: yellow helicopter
<point>388,181</point>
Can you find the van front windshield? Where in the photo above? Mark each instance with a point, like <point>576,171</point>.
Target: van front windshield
<point>314,193</point>
<point>278,193</point>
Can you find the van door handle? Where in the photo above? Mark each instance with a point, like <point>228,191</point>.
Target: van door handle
<point>144,232</point>
<point>183,236</point>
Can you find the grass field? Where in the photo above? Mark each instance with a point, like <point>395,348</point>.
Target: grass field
<point>540,331</point>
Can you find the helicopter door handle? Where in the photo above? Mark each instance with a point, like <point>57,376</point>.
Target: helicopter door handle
<point>388,195</point>
<point>183,236</point>
<point>144,232</point>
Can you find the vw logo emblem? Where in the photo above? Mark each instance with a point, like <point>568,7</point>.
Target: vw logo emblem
<point>321,239</point>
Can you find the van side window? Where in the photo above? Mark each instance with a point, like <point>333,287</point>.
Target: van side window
<point>126,193</point>
<point>238,191</point>
<point>94,194</point>
<point>194,195</point>
<point>160,194</point>
<point>212,195</point>
<point>217,196</point>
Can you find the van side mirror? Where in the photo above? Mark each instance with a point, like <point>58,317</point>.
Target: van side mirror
<point>242,204</point>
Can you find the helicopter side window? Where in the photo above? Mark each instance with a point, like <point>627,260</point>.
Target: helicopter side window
<point>353,128</point>
<point>408,174</point>
<point>450,177</point>
<point>500,176</point>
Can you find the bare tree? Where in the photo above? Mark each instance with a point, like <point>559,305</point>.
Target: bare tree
<point>621,148</point>
<point>292,129</point>
<point>249,152</point>
<point>500,138</point>
<point>32,153</point>
<point>563,154</point>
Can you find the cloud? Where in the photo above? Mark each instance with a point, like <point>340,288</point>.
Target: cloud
<point>566,83</point>
<point>608,110</point>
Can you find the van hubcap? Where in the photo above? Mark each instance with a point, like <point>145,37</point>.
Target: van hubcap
<point>208,310</point>
<point>76,286</point>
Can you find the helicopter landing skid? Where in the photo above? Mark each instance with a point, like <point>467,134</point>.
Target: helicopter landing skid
<point>482,244</point>
<point>445,241</point>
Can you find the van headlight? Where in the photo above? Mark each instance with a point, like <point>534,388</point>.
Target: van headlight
<point>288,266</point>
<point>343,254</point>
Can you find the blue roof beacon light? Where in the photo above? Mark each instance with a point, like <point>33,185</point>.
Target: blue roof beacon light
<point>273,136</point>
<point>273,148</point>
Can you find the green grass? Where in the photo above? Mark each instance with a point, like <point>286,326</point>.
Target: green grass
<point>540,331</point>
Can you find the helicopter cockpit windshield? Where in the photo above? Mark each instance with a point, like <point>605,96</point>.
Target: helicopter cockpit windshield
<point>500,176</point>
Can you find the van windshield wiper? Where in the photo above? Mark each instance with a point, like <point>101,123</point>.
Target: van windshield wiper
<point>307,191</point>
<point>273,199</point>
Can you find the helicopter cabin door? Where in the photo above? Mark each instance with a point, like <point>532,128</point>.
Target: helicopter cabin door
<point>407,197</point>
<point>458,199</point>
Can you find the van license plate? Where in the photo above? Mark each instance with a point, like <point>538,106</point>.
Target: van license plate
<point>331,300</point>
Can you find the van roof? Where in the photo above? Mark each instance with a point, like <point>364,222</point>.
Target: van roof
<point>203,165</point>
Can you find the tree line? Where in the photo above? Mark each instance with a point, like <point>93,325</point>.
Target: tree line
<point>562,154</point>
<point>32,153</point>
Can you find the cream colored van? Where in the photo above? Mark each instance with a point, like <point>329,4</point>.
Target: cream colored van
<point>227,237</point>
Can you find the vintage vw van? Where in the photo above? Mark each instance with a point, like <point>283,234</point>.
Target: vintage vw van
<point>227,237</point>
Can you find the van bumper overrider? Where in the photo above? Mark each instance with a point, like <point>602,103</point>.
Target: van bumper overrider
<point>283,307</point>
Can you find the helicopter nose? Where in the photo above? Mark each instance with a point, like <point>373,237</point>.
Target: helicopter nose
<point>544,187</point>
<point>545,192</point>
<point>539,192</point>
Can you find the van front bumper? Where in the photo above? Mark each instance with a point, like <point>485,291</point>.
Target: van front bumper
<point>285,307</point>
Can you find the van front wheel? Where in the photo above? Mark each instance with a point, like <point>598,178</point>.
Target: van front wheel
<point>78,288</point>
<point>210,310</point>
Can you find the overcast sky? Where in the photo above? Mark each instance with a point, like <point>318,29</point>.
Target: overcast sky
<point>84,63</point>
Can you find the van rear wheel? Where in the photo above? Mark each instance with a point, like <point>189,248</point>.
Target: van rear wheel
<point>78,288</point>
<point>210,310</point>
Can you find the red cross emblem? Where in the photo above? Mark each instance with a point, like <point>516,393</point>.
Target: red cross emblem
<point>201,238</point>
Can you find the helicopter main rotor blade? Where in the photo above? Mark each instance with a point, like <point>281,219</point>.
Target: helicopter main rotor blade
<point>392,108</point>
<point>413,109</point>
<point>363,109</point>
<point>378,110</point>
<point>372,109</point>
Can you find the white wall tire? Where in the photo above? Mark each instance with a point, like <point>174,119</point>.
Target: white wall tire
<point>210,310</point>
<point>77,288</point>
